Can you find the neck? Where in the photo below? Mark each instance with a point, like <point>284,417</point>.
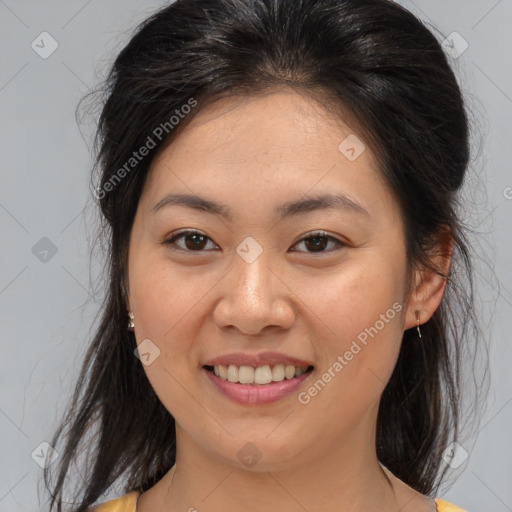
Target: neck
<point>349,479</point>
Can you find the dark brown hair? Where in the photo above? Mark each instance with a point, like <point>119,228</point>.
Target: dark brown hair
<point>371,59</point>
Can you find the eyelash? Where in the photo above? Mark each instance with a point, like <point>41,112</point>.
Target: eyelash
<point>172,245</point>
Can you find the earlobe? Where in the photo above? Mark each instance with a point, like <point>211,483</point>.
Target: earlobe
<point>426,298</point>
<point>430,283</point>
<point>131,324</point>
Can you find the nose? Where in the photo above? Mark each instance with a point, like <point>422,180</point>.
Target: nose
<point>254,297</point>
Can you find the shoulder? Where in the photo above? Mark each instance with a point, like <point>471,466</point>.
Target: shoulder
<point>445,506</point>
<point>126,503</point>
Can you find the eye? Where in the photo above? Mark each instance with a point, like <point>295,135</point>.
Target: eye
<point>319,240</point>
<point>195,241</point>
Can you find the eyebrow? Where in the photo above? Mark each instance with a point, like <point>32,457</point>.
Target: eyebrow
<point>283,211</point>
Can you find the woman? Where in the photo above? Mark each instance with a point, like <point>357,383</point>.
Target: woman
<point>279,185</point>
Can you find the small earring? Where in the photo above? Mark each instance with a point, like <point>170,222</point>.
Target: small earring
<point>418,326</point>
<point>131,325</point>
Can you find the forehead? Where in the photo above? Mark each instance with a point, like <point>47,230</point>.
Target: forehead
<point>280,140</point>
<point>274,120</point>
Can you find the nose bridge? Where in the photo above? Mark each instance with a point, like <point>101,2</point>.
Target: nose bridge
<point>253,280</point>
<point>253,296</point>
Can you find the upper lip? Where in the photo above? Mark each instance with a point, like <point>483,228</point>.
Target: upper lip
<point>262,359</point>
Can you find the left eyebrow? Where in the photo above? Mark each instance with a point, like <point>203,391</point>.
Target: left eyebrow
<point>285,210</point>
<point>320,202</point>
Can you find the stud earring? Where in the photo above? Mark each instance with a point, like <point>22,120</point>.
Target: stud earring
<point>131,325</point>
<point>418,326</point>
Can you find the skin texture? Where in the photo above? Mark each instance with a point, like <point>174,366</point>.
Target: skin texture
<point>254,154</point>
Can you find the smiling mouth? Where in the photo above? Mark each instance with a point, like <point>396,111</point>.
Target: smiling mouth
<point>258,376</point>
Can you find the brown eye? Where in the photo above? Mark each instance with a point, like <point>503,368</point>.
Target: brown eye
<point>194,241</point>
<point>317,242</point>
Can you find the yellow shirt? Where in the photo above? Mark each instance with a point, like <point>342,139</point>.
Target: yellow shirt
<point>128,503</point>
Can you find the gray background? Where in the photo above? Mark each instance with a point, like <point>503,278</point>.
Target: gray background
<point>47,300</point>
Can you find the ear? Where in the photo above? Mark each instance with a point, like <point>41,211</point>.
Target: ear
<point>430,283</point>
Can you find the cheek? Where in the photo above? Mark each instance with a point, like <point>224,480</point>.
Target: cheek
<point>352,298</point>
<point>163,297</point>
<point>358,316</point>
<point>165,313</point>
<point>169,301</point>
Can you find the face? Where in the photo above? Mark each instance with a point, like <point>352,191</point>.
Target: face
<point>262,285</point>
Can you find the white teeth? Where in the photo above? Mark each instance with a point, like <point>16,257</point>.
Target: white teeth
<point>245,374</point>
<point>260,375</point>
<point>289,371</point>
<point>263,375</point>
<point>232,373</point>
<point>223,371</point>
<point>278,373</point>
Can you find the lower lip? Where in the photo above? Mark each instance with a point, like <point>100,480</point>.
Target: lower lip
<point>247,394</point>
